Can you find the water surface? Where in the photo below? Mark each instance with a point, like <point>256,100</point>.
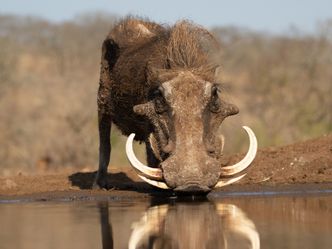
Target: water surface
<point>241,222</point>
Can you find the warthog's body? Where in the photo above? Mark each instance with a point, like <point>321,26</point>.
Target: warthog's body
<point>158,83</point>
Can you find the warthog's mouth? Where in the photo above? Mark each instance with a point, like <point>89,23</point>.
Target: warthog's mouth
<point>229,174</point>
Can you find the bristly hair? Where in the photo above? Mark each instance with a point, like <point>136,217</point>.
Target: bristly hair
<point>190,47</point>
<point>132,30</point>
<point>183,46</point>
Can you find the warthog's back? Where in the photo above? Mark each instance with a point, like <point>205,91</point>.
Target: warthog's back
<point>127,50</point>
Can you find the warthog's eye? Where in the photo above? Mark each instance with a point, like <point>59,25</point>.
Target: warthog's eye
<point>160,103</point>
<point>214,104</point>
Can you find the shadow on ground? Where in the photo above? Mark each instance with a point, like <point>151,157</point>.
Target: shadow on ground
<point>119,181</point>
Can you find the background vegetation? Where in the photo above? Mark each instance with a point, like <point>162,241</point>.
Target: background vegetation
<point>49,78</point>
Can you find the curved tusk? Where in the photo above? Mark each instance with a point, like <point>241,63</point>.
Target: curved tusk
<point>140,167</point>
<point>224,182</point>
<point>155,183</point>
<point>238,222</point>
<point>149,225</point>
<point>247,160</point>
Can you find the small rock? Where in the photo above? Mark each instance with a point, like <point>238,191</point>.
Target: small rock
<point>302,161</point>
<point>321,171</point>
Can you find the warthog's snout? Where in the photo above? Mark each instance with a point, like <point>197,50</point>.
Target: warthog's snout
<point>191,172</point>
<point>192,175</point>
<point>193,188</point>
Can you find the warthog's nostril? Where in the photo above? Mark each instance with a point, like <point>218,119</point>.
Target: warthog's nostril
<point>211,153</point>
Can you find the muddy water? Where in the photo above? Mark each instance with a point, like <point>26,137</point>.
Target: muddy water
<point>241,222</point>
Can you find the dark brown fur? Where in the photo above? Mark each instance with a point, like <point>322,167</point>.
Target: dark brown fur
<point>137,56</point>
<point>127,82</point>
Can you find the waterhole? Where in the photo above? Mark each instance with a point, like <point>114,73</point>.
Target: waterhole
<point>237,222</point>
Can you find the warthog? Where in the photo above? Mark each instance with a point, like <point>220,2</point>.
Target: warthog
<point>157,85</point>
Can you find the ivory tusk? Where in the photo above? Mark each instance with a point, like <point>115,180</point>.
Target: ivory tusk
<point>247,160</point>
<point>155,183</point>
<point>148,172</point>
<point>224,182</point>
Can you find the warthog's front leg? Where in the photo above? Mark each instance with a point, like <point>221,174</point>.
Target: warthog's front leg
<point>104,123</point>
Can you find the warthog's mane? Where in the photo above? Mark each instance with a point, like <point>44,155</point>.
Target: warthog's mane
<point>190,47</point>
<point>184,45</point>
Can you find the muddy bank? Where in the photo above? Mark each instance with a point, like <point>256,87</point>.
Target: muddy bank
<point>302,168</point>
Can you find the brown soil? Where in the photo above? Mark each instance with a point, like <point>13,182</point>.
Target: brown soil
<point>300,166</point>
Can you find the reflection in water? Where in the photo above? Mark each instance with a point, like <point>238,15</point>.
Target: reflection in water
<point>186,225</point>
<point>106,228</point>
<point>194,225</point>
<point>282,222</point>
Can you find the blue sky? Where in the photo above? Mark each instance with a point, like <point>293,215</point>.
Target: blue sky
<point>272,16</point>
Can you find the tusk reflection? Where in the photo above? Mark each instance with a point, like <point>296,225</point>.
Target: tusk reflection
<point>238,223</point>
<point>149,224</point>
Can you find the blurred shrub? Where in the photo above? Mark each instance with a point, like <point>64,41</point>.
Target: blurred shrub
<point>283,84</point>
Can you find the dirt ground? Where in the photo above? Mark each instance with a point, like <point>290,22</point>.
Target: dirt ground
<point>301,166</point>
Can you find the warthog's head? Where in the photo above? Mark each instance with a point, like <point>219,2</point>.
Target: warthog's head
<point>186,112</point>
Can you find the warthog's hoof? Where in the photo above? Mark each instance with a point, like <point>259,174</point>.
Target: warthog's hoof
<point>101,183</point>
